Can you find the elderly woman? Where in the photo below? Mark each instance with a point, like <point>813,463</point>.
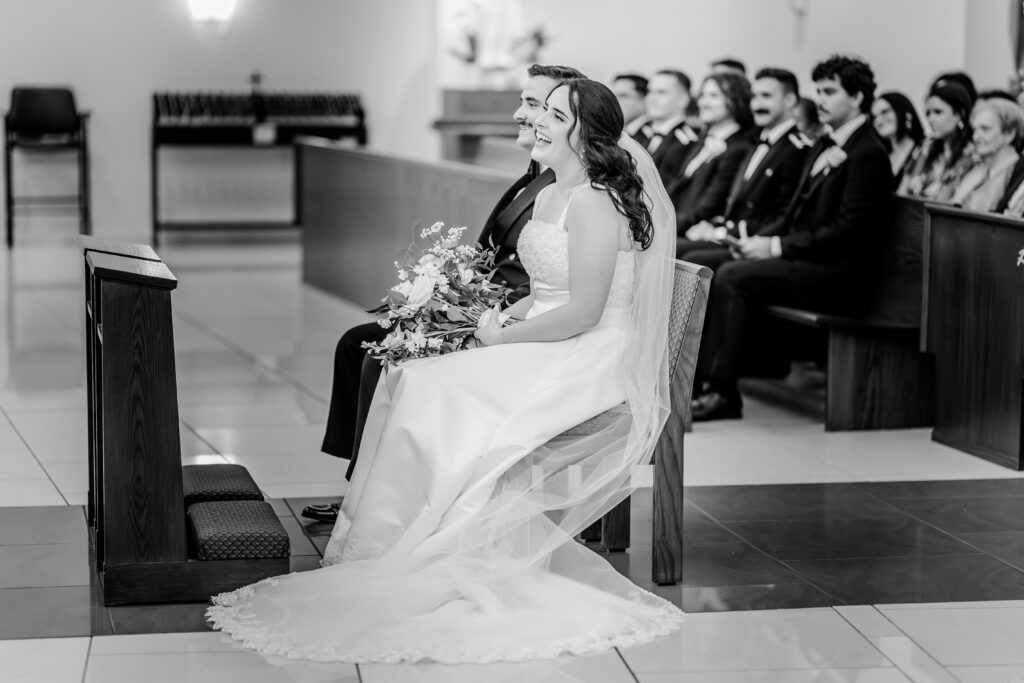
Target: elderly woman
<point>945,157</point>
<point>998,131</point>
<point>899,127</point>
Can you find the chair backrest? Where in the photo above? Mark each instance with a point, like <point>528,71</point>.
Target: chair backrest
<point>42,111</point>
<point>685,326</point>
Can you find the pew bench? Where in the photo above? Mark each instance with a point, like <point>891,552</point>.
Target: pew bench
<point>877,377</point>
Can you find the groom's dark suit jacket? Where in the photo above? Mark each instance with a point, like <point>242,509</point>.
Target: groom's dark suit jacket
<point>501,231</point>
<point>355,380</point>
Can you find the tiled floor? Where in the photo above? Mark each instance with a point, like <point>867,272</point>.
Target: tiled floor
<point>780,514</point>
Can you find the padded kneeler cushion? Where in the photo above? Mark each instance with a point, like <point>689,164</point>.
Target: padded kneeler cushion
<point>202,483</point>
<point>236,530</point>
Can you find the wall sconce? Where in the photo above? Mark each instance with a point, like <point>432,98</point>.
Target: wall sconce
<point>213,11</point>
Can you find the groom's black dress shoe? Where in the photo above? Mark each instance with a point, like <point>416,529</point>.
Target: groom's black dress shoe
<point>715,406</point>
<point>322,513</point>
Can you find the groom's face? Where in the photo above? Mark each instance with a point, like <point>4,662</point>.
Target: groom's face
<point>531,105</point>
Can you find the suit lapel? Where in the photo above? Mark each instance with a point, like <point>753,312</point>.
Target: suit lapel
<point>514,211</point>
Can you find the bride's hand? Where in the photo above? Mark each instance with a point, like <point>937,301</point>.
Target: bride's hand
<point>489,330</point>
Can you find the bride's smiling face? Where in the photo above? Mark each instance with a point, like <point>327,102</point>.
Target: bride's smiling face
<point>558,135</point>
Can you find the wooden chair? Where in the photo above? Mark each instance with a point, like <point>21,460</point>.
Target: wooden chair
<point>686,323</point>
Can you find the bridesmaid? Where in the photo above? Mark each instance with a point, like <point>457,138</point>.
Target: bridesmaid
<point>998,130</point>
<point>946,156</point>
<point>900,129</point>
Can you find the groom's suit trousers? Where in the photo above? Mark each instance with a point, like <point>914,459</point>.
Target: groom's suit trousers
<point>351,379</point>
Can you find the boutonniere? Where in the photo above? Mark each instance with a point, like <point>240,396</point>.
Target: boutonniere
<point>834,157</point>
<point>713,147</point>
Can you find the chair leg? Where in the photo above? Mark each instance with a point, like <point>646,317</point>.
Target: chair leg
<point>615,528</point>
<point>667,535</point>
<point>83,187</point>
<point>8,194</point>
<point>592,533</point>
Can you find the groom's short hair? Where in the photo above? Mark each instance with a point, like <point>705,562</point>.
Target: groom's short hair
<point>555,72</point>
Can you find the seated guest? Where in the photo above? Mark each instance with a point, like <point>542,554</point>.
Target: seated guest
<point>665,134</point>
<point>961,79</point>
<point>998,129</point>
<point>940,163</point>
<point>729,65</point>
<point>806,116</point>
<point>768,175</point>
<point>631,90</point>
<point>898,125</point>
<point>701,187</point>
<point>818,257</point>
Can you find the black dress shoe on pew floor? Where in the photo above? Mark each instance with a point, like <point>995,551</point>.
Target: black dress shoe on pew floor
<point>322,513</point>
<point>715,406</point>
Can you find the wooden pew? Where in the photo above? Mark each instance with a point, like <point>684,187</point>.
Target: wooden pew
<point>360,210</point>
<point>974,325</point>
<point>877,378</point>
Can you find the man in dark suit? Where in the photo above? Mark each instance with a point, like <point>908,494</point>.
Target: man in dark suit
<point>665,133</point>
<point>700,189</point>
<point>355,380</point>
<point>821,251</point>
<point>768,176</point>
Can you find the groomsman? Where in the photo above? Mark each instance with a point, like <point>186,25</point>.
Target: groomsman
<point>819,255</point>
<point>768,176</point>
<point>631,92</point>
<point>666,135</point>
<point>354,381</point>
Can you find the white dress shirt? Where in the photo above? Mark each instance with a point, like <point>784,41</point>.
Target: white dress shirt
<point>768,138</point>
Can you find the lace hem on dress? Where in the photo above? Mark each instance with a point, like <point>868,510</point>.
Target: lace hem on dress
<point>230,614</point>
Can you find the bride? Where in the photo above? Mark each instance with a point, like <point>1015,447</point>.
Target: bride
<point>456,540</point>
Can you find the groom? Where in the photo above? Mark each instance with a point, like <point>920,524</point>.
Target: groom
<point>354,381</point>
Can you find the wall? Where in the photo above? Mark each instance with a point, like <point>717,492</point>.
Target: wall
<point>115,53</point>
<point>988,48</point>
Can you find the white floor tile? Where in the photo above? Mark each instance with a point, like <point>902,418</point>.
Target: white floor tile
<point>607,668</point>
<point>867,620</point>
<point>16,493</point>
<point>163,643</point>
<point>780,676</point>
<point>212,667</point>
<point>265,440</point>
<point>43,660</point>
<point>965,636</point>
<point>19,465</point>
<point>790,639</point>
<point>913,661</point>
<point>988,674</point>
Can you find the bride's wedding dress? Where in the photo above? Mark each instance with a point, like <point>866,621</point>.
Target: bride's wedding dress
<point>455,541</point>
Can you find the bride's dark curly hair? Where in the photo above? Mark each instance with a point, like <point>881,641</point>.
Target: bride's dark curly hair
<point>608,166</point>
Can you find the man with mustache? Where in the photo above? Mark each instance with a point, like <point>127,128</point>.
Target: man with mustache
<point>355,380</point>
<point>818,255</point>
<point>768,176</point>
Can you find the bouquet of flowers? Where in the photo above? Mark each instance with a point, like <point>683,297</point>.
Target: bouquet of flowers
<point>439,299</point>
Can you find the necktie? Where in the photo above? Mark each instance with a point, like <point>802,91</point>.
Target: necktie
<point>819,164</point>
<point>757,157</point>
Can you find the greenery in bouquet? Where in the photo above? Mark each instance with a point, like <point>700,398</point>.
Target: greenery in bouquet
<point>442,292</point>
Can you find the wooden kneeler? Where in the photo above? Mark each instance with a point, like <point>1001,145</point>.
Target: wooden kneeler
<point>138,510</point>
